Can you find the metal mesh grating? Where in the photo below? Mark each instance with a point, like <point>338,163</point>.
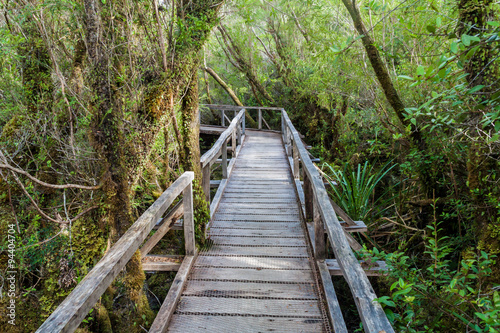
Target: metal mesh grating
<point>257,273</point>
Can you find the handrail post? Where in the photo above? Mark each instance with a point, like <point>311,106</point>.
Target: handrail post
<point>223,118</point>
<point>260,119</point>
<point>205,182</point>
<point>282,123</point>
<point>296,174</point>
<point>319,233</point>
<point>238,134</point>
<point>233,143</point>
<point>243,122</point>
<point>308,196</point>
<point>288,143</point>
<point>189,219</point>
<point>224,160</point>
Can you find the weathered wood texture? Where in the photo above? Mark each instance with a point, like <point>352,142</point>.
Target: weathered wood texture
<point>68,315</point>
<point>371,313</point>
<point>210,156</point>
<point>163,227</point>
<point>257,272</point>
<point>174,293</point>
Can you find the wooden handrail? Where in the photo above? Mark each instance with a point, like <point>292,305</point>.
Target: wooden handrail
<point>236,107</point>
<point>234,133</point>
<point>210,156</point>
<point>371,313</point>
<point>70,313</point>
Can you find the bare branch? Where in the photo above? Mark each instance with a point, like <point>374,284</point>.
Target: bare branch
<point>61,187</point>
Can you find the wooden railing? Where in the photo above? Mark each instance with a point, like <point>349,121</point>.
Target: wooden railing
<point>234,133</point>
<point>227,109</point>
<point>319,209</point>
<point>316,207</point>
<point>70,313</point>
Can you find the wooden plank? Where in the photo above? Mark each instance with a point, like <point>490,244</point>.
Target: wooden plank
<point>189,241</point>
<point>253,217</point>
<point>214,183</point>
<point>167,309</point>
<point>260,118</point>
<point>257,232</point>
<point>295,168</point>
<point>251,274</point>
<point>205,182</point>
<point>249,289</point>
<point>224,161</point>
<point>257,206</point>
<point>250,196</point>
<point>340,212</point>
<point>236,107</point>
<point>213,130</point>
<point>166,263</point>
<point>212,154</point>
<point>255,241</point>
<point>371,313</point>
<point>319,239</point>
<point>257,210</point>
<point>308,196</point>
<point>239,306</point>
<point>334,311</point>
<point>217,197</point>
<point>165,226</point>
<point>256,225</point>
<point>352,242</point>
<point>272,251</point>
<point>265,122</point>
<point>254,262</point>
<point>359,226</point>
<point>69,314</point>
<point>376,268</point>
<point>243,190</point>
<point>225,324</point>
<point>160,266</point>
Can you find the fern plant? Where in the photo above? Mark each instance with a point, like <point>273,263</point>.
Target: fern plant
<point>354,189</point>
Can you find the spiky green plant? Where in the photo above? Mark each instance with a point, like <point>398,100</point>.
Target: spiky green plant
<point>354,189</point>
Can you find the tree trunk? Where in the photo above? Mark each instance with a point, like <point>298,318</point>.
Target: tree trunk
<point>382,73</point>
<point>481,70</point>
<point>243,65</point>
<point>250,121</point>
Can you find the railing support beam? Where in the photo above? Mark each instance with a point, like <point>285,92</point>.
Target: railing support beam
<point>189,240</point>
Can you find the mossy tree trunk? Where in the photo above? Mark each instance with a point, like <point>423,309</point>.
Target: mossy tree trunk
<point>108,139</point>
<point>481,69</point>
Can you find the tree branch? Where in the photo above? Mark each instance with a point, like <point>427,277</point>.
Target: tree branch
<point>60,187</point>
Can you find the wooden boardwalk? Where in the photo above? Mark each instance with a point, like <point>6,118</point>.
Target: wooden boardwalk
<point>258,275</point>
<point>264,269</point>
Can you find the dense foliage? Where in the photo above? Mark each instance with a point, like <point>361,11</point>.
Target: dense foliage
<point>399,99</point>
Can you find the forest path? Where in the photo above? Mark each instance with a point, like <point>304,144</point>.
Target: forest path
<point>259,273</point>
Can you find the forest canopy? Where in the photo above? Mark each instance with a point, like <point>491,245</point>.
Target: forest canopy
<point>100,104</point>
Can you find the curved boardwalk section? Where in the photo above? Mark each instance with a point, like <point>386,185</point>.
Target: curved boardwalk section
<point>258,275</point>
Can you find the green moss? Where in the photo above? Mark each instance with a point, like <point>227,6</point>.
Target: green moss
<point>12,127</point>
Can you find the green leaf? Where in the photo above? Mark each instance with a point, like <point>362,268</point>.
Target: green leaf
<point>420,70</point>
<point>496,299</point>
<point>475,89</point>
<point>405,77</point>
<point>454,47</point>
<point>466,39</point>
<point>431,28</point>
